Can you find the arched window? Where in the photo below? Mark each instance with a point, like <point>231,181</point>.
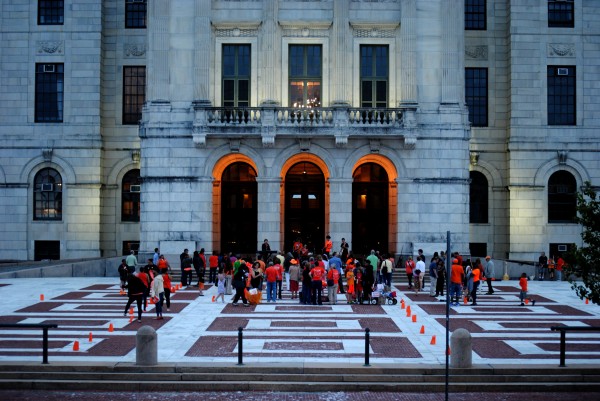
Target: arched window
<point>562,198</point>
<point>47,195</point>
<point>130,196</point>
<point>478,195</point>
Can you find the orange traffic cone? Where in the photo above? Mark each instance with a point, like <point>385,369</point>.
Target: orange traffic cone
<point>432,340</point>
<point>408,310</point>
<point>526,301</point>
<point>213,298</point>
<point>41,297</point>
<point>91,337</point>
<point>422,329</point>
<point>111,328</point>
<point>587,301</point>
<point>466,300</point>
<point>448,351</point>
<point>414,318</point>
<point>130,318</point>
<point>131,311</point>
<point>152,301</point>
<point>402,305</point>
<point>76,346</point>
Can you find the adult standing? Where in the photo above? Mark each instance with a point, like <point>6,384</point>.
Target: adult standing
<point>158,290</point>
<point>123,272</point>
<point>328,246</point>
<point>476,273</point>
<point>306,284</point>
<point>489,273</point>
<point>336,263</point>
<point>155,256</point>
<point>457,277</point>
<point>200,268</point>
<point>135,292</point>
<point>344,249</point>
<point>213,265</point>
<point>560,263</point>
<point>420,267</point>
<point>441,279</point>
<point>387,268</point>
<point>240,275</point>
<point>167,287</point>
<point>294,274</point>
<point>333,280</point>
<point>410,267</point>
<point>265,251</point>
<point>368,279</point>
<point>184,273</point>
<point>317,274</point>
<point>145,278</point>
<point>433,276</point>
<point>271,274</point>
<point>131,261</point>
<point>542,266</point>
<point>374,264</point>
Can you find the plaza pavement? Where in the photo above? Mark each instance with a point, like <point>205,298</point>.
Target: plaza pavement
<point>197,330</point>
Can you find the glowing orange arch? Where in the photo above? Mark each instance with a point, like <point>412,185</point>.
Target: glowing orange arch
<point>228,160</point>
<point>392,195</point>
<point>308,158</point>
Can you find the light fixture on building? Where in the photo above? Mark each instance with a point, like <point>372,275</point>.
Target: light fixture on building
<point>474,158</point>
<point>136,155</point>
<point>562,156</point>
<point>47,154</point>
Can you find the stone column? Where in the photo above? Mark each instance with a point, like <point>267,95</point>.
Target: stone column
<point>269,212</point>
<point>203,51</point>
<point>340,211</point>
<point>270,53</point>
<point>146,346</point>
<point>461,348</point>
<point>158,50</point>
<point>406,58</point>
<point>452,51</point>
<point>341,32</point>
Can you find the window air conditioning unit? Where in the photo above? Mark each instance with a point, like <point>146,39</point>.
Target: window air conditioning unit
<point>47,187</point>
<point>563,71</point>
<point>48,67</point>
<point>562,248</point>
<point>135,188</point>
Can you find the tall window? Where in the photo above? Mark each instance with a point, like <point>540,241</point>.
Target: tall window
<point>476,95</point>
<point>134,93</point>
<point>475,15</point>
<point>562,197</point>
<point>561,95</point>
<point>236,75</point>
<point>561,14</point>
<point>47,195</point>
<point>130,196</point>
<point>374,73</point>
<point>135,13</point>
<point>49,87</point>
<point>478,198</point>
<point>51,12</point>
<point>305,75</point>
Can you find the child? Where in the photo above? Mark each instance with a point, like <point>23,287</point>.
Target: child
<point>417,280</point>
<point>523,293</point>
<point>220,287</point>
<point>350,289</point>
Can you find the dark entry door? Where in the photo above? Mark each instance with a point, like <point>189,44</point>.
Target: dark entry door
<point>238,209</point>
<point>370,190</point>
<point>305,206</point>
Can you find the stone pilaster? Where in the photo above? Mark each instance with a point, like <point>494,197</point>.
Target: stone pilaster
<point>269,212</point>
<point>158,72</point>
<point>340,210</point>
<point>406,58</point>
<point>341,34</point>
<point>452,51</point>
<point>202,55</point>
<point>270,52</point>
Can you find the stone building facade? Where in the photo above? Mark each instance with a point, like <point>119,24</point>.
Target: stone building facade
<point>386,122</point>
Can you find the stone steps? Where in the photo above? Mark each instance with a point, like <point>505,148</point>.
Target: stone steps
<point>257,377</point>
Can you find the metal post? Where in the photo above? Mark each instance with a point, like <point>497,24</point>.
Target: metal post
<point>240,346</point>
<point>563,347</point>
<point>45,345</point>
<point>367,347</point>
<point>448,271</point>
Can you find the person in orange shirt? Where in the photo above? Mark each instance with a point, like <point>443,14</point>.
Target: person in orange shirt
<point>328,246</point>
<point>271,274</point>
<point>213,265</point>
<point>350,284</point>
<point>333,279</point>
<point>523,293</point>
<point>476,273</point>
<point>457,277</point>
<point>317,275</point>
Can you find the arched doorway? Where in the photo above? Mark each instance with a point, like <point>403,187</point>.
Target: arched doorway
<point>370,209</point>
<point>238,209</point>
<point>305,206</point>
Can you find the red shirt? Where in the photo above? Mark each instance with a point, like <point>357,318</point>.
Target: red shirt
<point>271,274</point>
<point>279,269</point>
<point>213,261</point>
<point>144,278</point>
<point>328,246</point>
<point>523,283</point>
<point>334,275</point>
<point>410,265</point>
<point>166,281</point>
<point>317,273</point>
<point>456,274</point>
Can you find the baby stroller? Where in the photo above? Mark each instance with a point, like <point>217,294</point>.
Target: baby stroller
<point>390,297</point>
<point>379,296</point>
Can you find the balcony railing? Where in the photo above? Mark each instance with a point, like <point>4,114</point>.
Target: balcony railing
<point>305,117</point>
<point>233,116</point>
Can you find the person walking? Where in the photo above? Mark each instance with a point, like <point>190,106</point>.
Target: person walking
<point>476,273</point>
<point>167,286</point>
<point>523,293</point>
<point>131,261</point>
<point>240,276</point>
<point>123,273</point>
<point>220,287</point>
<point>387,268</point>
<point>489,274</point>
<point>542,266</point>
<point>410,266</point>
<point>135,292</point>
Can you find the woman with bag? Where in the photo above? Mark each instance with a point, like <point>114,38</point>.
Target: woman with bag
<point>240,275</point>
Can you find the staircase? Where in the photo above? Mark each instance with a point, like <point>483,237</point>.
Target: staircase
<point>300,378</point>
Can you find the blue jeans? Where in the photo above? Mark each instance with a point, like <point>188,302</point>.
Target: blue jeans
<point>455,291</point>
<point>271,291</point>
<point>305,296</point>
<point>159,304</point>
<point>317,287</point>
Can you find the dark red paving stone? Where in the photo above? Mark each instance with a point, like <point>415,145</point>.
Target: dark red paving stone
<point>393,347</point>
<point>11,319</point>
<point>40,307</point>
<point>185,296</point>
<point>99,287</point>
<point>370,309</point>
<point>114,345</point>
<point>34,343</point>
<point>64,322</point>
<point>456,323</point>
<point>578,345</point>
<point>494,348</point>
<point>545,326</point>
<point>88,307</point>
<point>227,324</point>
<point>212,346</point>
<point>302,346</point>
<point>304,308</point>
<point>38,395</point>
<point>4,285</point>
<point>72,295</point>
<point>304,323</point>
<point>567,310</point>
<point>436,309</point>
<point>239,309</point>
<point>379,325</point>
<point>147,320</point>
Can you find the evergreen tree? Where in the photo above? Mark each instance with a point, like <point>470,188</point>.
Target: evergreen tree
<point>585,261</point>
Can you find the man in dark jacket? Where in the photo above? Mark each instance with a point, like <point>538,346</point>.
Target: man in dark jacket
<point>135,292</point>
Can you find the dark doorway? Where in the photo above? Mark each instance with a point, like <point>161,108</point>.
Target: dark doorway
<point>47,250</point>
<point>305,206</point>
<point>238,209</point>
<point>370,209</point>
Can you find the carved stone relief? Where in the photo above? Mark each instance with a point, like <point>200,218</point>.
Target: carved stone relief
<point>476,52</point>
<point>134,50</point>
<point>51,47</point>
<point>561,50</point>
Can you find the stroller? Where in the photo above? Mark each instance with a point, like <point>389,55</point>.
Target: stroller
<point>379,296</point>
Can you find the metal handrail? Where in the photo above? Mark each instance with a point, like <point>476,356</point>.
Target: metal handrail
<point>563,338</point>
<point>43,326</point>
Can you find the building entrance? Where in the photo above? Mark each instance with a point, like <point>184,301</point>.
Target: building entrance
<point>305,206</point>
<point>238,209</point>
<point>370,218</point>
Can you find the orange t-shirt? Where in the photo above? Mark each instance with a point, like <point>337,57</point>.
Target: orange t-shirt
<point>456,274</point>
<point>213,261</point>
<point>271,274</point>
<point>476,274</point>
<point>334,275</point>
<point>317,273</point>
<point>523,283</point>
<point>328,246</point>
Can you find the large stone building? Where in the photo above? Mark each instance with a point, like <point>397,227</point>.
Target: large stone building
<point>219,123</point>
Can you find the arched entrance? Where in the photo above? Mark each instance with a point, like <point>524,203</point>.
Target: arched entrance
<point>305,206</point>
<point>238,209</point>
<point>370,209</point>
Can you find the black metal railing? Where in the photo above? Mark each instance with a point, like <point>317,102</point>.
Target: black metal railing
<point>43,326</point>
<point>563,338</point>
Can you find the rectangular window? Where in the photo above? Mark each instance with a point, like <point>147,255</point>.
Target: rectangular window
<point>475,15</point>
<point>476,95</point>
<point>49,86</point>
<point>561,95</point>
<point>374,75</point>
<point>305,75</point>
<point>134,93</point>
<point>561,14</point>
<point>236,75</point>
<point>135,13</point>
<point>51,12</point>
